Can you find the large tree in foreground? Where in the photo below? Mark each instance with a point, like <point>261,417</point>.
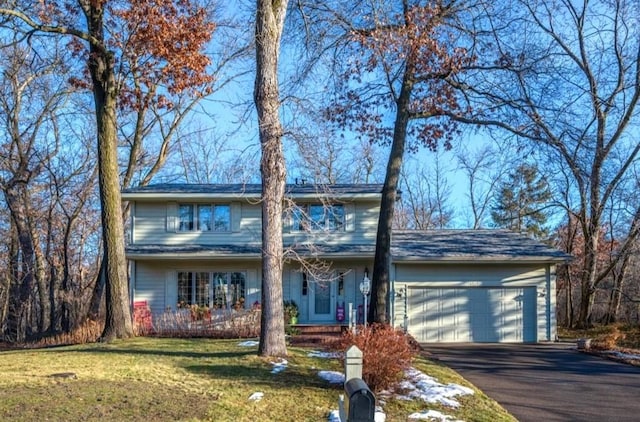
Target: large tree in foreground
<point>166,31</point>
<point>402,54</point>
<point>270,16</point>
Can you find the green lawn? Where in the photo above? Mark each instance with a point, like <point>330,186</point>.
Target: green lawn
<point>189,379</point>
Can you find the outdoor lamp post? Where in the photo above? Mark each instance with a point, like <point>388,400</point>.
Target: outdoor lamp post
<point>365,288</point>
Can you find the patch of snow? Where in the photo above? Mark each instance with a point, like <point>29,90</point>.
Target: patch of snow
<point>334,416</point>
<point>257,396</point>
<point>622,355</point>
<point>332,376</point>
<point>324,355</point>
<point>416,385</point>
<point>433,415</point>
<point>420,386</point>
<point>248,343</point>
<point>279,366</point>
<point>379,416</point>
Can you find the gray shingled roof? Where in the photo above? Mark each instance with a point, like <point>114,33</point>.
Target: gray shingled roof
<point>195,250</point>
<point>251,189</point>
<point>470,245</point>
<point>407,246</point>
<point>246,251</point>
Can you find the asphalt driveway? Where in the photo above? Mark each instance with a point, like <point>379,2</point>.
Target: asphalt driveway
<point>547,382</point>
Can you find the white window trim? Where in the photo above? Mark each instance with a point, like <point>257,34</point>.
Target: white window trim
<point>211,286</point>
<point>304,212</point>
<point>195,217</point>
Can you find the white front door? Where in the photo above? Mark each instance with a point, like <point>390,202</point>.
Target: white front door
<point>322,301</point>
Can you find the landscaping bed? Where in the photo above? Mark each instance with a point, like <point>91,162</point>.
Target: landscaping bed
<point>619,342</point>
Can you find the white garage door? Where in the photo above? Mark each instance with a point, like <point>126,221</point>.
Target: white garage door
<point>472,314</point>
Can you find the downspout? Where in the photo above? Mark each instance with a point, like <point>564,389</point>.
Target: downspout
<point>392,294</point>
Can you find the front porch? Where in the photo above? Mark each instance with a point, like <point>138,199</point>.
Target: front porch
<point>332,299</point>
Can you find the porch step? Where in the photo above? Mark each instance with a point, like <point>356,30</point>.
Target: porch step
<point>320,329</point>
<point>316,335</point>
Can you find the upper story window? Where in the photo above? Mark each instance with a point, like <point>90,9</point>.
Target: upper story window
<point>204,217</point>
<point>319,217</point>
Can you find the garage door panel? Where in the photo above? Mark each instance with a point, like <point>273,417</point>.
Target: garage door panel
<point>472,314</point>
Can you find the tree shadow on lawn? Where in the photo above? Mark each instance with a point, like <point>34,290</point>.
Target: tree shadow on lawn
<point>291,377</point>
<point>167,353</point>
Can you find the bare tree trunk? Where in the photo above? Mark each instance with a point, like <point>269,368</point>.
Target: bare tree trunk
<point>96,305</point>
<point>589,280</point>
<point>382,261</point>
<point>44,313</point>
<point>569,300</point>
<point>269,26</point>
<point>14,323</point>
<point>26,277</point>
<point>118,323</point>
<point>5,285</point>
<point>615,298</point>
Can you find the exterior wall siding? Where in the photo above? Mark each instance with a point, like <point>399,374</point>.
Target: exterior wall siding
<point>150,285</point>
<point>156,282</point>
<point>361,223</point>
<point>156,222</point>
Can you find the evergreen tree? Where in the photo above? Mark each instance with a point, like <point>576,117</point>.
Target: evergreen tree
<point>521,200</point>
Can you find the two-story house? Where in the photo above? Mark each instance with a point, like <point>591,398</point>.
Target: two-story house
<point>201,244</point>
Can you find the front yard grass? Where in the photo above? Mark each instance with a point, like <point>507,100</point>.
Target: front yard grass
<point>192,380</point>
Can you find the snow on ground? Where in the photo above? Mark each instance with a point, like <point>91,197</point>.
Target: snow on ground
<point>334,416</point>
<point>332,376</point>
<point>433,415</point>
<point>324,355</point>
<point>379,416</point>
<point>257,396</point>
<point>622,355</point>
<point>279,366</point>
<point>417,385</point>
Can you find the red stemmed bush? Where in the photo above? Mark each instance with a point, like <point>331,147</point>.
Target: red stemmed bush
<point>386,353</point>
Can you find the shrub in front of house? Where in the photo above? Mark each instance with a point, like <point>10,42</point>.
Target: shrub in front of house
<point>212,323</point>
<point>386,353</point>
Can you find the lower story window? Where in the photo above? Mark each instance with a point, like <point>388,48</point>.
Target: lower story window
<point>218,290</point>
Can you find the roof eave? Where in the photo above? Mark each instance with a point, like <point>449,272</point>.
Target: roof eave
<point>481,260</point>
<point>174,196</point>
<point>185,256</point>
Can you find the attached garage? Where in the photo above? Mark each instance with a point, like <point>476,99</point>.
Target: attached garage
<point>472,314</point>
<point>474,286</point>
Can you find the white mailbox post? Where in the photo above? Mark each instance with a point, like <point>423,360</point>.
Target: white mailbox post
<point>360,401</point>
<point>352,363</point>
